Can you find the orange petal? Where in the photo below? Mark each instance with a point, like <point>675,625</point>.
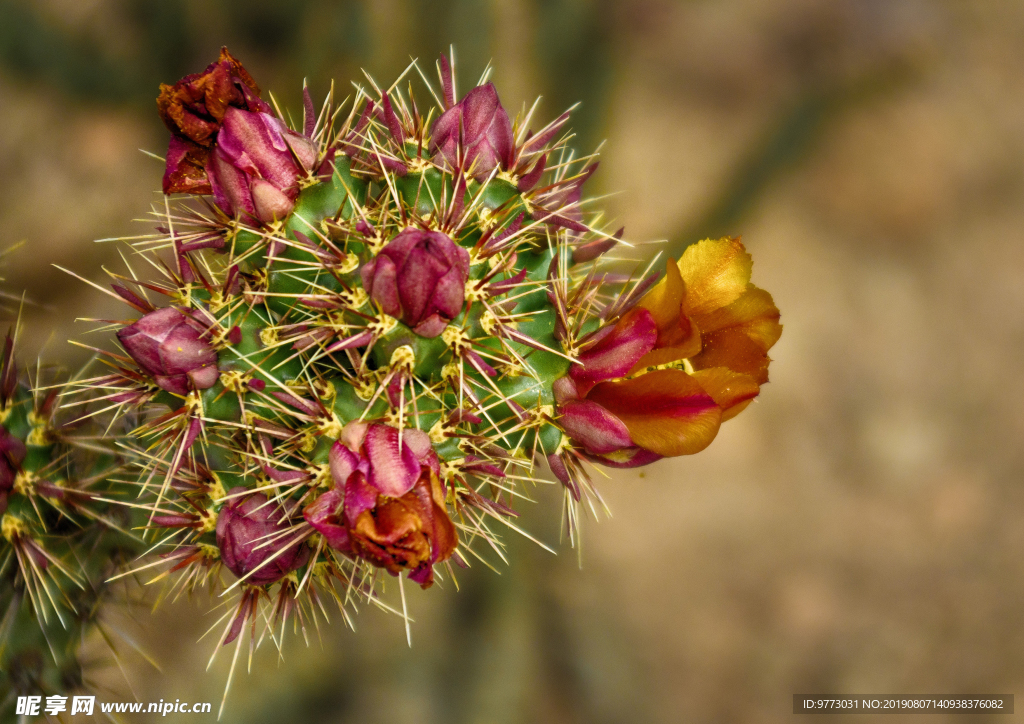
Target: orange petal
<point>666,411</point>
<point>445,538</point>
<point>730,390</point>
<point>665,299</point>
<point>755,312</point>
<point>716,273</point>
<point>733,349</point>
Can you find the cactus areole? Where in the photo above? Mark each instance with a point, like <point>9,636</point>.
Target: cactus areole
<point>379,328</point>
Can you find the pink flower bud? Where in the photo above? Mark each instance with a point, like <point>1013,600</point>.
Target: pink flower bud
<point>167,345</point>
<point>255,168</point>
<point>484,128</point>
<point>252,531</point>
<point>420,278</point>
<point>12,453</point>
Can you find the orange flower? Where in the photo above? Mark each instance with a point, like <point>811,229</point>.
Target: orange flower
<point>706,331</point>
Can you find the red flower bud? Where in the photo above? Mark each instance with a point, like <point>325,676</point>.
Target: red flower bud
<point>252,535</point>
<point>193,109</point>
<point>167,345</point>
<point>483,126</point>
<point>387,505</point>
<point>255,169</point>
<point>420,278</point>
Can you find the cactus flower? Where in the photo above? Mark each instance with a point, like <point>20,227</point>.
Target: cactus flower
<point>706,312</point>
<point>483,126</point>
<point>420,278</point>
<point>193,109</point>
<point>255,169</point>
<point>167,345</point>
<point>387,505</point>
<point>253,538</point>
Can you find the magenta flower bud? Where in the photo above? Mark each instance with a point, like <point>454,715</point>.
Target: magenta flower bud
<point>252,532</point>
<point>486,133</point>
<point>12,453</point>
<point>420,278</point>
<point>167,345</point>
<point>256,166</point>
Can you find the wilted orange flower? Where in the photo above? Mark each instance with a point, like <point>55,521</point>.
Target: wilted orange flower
<point>691,354</point>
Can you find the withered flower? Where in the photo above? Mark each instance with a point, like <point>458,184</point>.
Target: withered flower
<point>193,109</point>
<point>387,505</point>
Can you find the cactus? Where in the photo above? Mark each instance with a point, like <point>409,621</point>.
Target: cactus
<point>378,327</point>
<point>62,538</point>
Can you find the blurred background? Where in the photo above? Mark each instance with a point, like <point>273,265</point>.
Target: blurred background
<point>857,531</point>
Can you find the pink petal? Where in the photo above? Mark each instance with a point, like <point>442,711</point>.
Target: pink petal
<point>594,427</point>
<point>392,472</point>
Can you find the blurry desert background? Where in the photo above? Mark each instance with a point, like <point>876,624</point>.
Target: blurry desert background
<point>857,531</point>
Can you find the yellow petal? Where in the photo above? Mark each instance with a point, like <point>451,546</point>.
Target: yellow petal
<point>716,273</point>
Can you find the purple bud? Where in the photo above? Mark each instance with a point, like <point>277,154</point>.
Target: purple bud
<point>420,278</point>
<point>168,347</point>
<point>12,453</point>
<point>255,169</point>
<point>250,531</point>
<point>485,129</point>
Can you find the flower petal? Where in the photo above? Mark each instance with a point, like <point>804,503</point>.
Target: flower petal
<point>664,300</point>
<point>343,462</point>
<point>271,203</point>
<point>616,352</point>
<point>716,273</point>
<point>627,457</point>
<point>360,496</point>
<point>730,390</point>
<point>322,514</point>
<point>733,349</point>
<point>594,427</point>
<point>392,471</point>
<point>185,172</point>
<point>754,312</point>
<point>380,280</point>
<point>666,411</point>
